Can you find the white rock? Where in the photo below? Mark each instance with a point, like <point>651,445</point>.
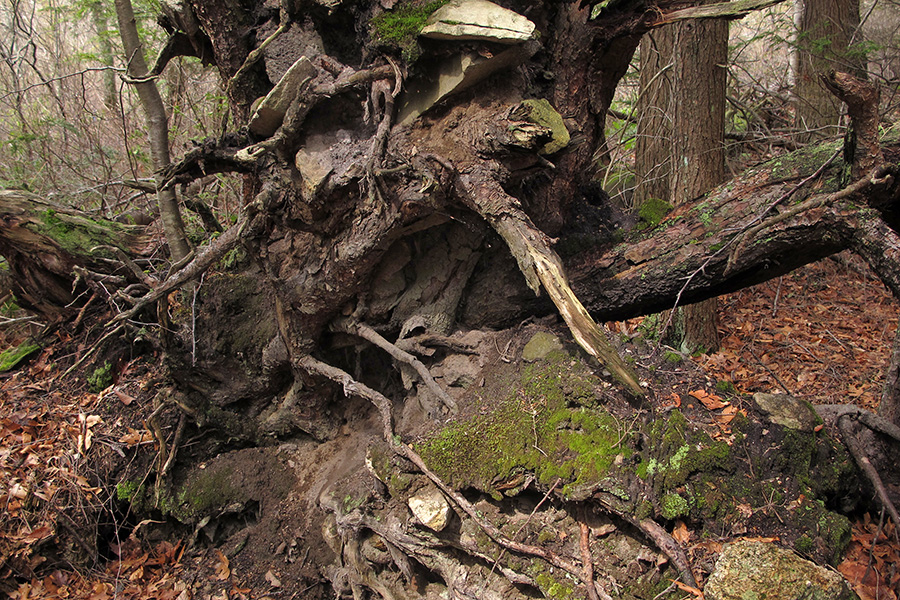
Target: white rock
<point>430,508</point>
<point>478,20</point>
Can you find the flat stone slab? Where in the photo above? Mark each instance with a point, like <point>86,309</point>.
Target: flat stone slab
<point>455,74</point>
<point>753,570</point>
<point>268,116</point>
<point>478,20</point>
<point>787,411</point>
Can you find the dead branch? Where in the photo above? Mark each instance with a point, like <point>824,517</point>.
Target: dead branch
<point>541,266</point>
<point>726,10</point>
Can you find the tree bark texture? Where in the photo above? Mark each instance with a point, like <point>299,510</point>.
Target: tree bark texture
<point>700,56</point>
<point>655,109</point>
<point>826,31</point>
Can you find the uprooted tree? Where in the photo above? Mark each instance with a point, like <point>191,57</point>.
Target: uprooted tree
<point>401,190</point>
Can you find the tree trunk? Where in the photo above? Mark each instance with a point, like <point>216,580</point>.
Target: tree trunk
<point>700,56</point>
<point>655,108</point>
<point>157,127</point>
<point>826,31</point>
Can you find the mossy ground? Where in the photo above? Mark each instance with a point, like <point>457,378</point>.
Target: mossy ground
<point>551,423</point>
<point>399,28</point>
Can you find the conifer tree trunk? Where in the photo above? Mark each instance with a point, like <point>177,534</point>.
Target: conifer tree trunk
<point>653,146</point>
<point>700,54</point>
<point>827,28</point>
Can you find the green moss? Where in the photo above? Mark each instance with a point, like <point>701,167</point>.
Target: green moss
<point>13,357</point>
<point>672,357</point>
<point>126,491</point>
<point>552,587</point>
<point>804,544</point>
<point>399,28</point>
<point>79,235</point>
<point>547,428</point>
<point>725,387</point>
<point>651,212</point>
<point>101,378</point>
<point>673,506</point>
<point>541,112</point>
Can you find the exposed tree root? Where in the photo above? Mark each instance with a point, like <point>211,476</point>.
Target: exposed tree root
<point>587,561</point>
<point>202,261</point>
<point>859,455</point>
<point>369,334</point>
<point>667,544</point>
<point>833,412</point>
<point>383,404</point>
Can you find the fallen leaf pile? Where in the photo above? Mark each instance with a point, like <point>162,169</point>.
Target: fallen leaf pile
<point>872,562</point>
<point>823,333</point>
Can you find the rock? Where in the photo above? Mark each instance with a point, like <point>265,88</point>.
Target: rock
<point>314,168</point>
<point>270,113</point>
<point>541,112</point>
<point>458,370</point>
<point>787,411</point>
<point>540,345</point>
<point>752,570</point>
<point>456,74</point>
<point>478,20</point>
<point>430,508</point>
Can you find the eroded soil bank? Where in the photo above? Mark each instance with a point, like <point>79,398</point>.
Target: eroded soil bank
<point>545,448</point>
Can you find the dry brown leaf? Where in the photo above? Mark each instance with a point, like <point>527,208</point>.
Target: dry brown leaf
<point>710,401</point>
<point>223,571</point>
<point>681,533</point>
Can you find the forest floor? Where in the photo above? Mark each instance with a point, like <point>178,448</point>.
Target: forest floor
<point>822,333</point>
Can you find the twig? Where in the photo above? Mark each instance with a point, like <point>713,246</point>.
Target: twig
<point>587,561</point>
<point>770,372</point>
<point>777,295</point>
<point>93,349</point>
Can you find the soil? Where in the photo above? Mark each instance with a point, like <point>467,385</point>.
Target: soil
<point>271,529</point>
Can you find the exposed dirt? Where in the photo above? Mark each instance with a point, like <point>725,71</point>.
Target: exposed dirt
<point>270,527</point>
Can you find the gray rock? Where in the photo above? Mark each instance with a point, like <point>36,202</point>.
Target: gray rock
<point>270,113</point>
<point>314,168</point>
<point>430,508</point>
<point>752,570</point>
<point>456,74</point>
<point>478,20</point>
<point>787,411</point>
<point>540,345</point>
